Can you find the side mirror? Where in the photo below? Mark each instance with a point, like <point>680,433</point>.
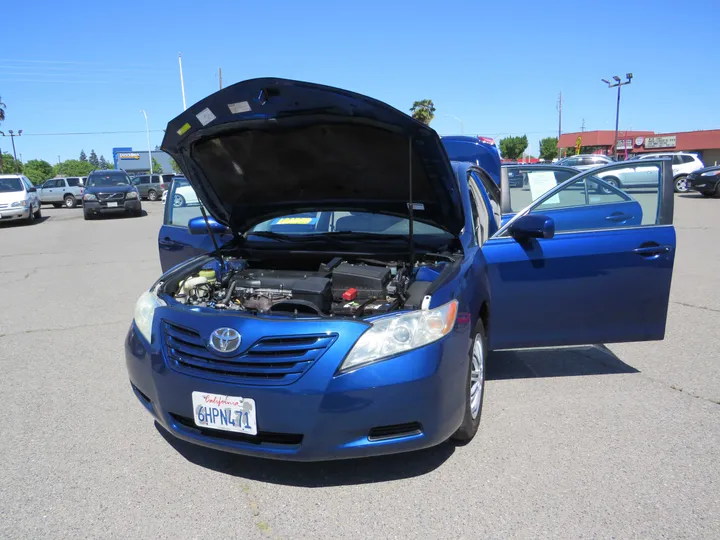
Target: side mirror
<point>32,190</point>
<point>197,226</point>
<point>533,226</point>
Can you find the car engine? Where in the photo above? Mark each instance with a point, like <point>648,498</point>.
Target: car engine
<point>336,288</point>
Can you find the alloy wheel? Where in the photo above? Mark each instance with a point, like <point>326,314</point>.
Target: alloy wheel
<point>477,375</point>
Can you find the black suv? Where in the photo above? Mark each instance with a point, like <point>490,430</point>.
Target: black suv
<point>110,192</point>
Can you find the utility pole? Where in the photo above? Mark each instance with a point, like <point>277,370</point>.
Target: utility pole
<point>182,82</point>
<point>582,128</point>
<point>220,77</point>
<point>12,138</point>
<point>147,132</point>
<point>559,116</point>
<point>58,160</point>
<point>619,85</point>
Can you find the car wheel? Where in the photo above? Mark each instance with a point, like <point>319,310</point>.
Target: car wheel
<point>152,195</point>
<point>38,214</point>
<point>681,184</point>
<point>70,201</point>
<point>611,181</point>
<point>31,216</point>
<point>474,388</point>
<point>57,204</point>
<point>87,216</point>
<point>178,200</point>
<point>138,213</point>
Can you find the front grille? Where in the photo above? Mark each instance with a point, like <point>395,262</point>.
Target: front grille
<point>262,437</point>
<point>392,432</point>
<point>275,360</point>
<point>111,196</point>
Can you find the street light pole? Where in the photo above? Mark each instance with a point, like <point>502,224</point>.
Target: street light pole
<point>462,124</point>
<point>619,85</point>
<point>182,82</point>
<point>147,132</point>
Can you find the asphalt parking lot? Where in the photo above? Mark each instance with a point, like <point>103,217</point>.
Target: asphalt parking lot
<point>620,441</point>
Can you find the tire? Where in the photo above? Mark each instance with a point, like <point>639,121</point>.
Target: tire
<point>137,213</point>
<point>57,205</point>
<point>681,185</point>
<point>178,201</point>
<point>474,394</point>
<point>31,217</point>
<point>69,201</point>
<point>38,214</point>
<point>611,180</point>
<point>87,216</point>
<point>708,194</point>
<point>152,195</point>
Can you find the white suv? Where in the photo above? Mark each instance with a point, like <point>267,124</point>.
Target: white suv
<point>683,164</point>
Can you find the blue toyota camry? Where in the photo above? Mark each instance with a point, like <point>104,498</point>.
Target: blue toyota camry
<point>356,279</point>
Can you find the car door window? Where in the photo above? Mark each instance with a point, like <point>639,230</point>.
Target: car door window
<point>181,204</point>
<point>620,197</point>
<point>687,159</point>
<point>73,182</point>
<point>530,183</point>
<point>493,193</point>
<point>677,160</point>
<point>480,215</point>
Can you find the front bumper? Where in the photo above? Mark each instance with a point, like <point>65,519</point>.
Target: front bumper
<point>16,212</point>
<point>322,415</point>
<point>96,207</point>
<point>704,184</point>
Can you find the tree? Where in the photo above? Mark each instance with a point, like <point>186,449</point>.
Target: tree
<point>548,148</point>
<point>93,160</point>
<point>104,165</point>
<point>175,167</point>
<point>157,168</point>
<point>513,147</point>
<point>423,111</point>
<point>73,167</point>
<point>2,110</point>
<point>38,170</point>
<point>83,157</point>
<point>8,165</point>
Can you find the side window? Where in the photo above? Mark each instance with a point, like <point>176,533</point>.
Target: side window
<point>493,192</point>
<point>481,218</point>
<point>181,204</point>
<point>678,159</point>
<point>27,182</point>
<point>621,197</point>
<point>688,159</point>
<point>528,185</point>
<point>73,182</point>
<point>155,179</point>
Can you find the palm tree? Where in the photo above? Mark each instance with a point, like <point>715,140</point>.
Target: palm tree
<point>2,110</point>
<point>423,111</point>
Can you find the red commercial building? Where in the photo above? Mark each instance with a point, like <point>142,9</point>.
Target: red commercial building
<point>706,144</point>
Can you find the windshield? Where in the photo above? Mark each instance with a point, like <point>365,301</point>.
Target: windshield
<point>319,223</point>
<point>8,185</point>
<point>108,179</point>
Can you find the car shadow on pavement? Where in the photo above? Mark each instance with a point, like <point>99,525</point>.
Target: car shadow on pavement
<point>23,223</point>
<point>694,195</point>
<point>314,474</point>
<point>555,362</point>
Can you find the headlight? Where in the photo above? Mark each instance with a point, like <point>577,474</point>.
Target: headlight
<point>401,333</point>
<point>89,197</point>
<point>144,312</point>
<point>20,203</point>
<point>131,195</point>
<point>711,173</point>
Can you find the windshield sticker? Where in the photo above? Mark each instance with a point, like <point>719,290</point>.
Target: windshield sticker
<point>239,107</point>
<point>540,183</point>
<point>183,130</point>
<point>205,116</point>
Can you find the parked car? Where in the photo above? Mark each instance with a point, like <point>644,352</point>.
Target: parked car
<point>18,198</point>
<point>583,162</point>
<point>333,322</point>
<point>110,192</point>
<point>684,163</point>
<point>59,192</point>
<point>152,187</point>
<point>705,181</point>
<point>482,151</point>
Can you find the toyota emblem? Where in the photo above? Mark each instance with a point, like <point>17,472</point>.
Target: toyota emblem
<point>225,340</point>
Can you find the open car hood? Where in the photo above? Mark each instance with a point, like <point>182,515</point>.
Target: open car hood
<point>269,147</point>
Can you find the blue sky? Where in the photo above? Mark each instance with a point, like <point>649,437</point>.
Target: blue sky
<point>91,66</point>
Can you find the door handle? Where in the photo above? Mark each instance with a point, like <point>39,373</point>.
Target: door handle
<point>619,216</point>
<point>652,251</point>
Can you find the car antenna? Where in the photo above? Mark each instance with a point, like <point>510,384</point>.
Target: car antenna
<point>411,205</point>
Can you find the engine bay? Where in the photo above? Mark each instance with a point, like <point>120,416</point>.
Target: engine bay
<point>338,287</point>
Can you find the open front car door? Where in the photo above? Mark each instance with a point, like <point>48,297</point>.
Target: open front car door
<point>588,261</point>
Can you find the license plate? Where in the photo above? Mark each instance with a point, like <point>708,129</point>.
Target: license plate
<point>227,413</point>
<point>112,205</point>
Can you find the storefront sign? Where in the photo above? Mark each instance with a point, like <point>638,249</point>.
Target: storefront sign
<point>639,141</point>
<point>128,156</point>
<point>661,142</point>
<point>622,144</point>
